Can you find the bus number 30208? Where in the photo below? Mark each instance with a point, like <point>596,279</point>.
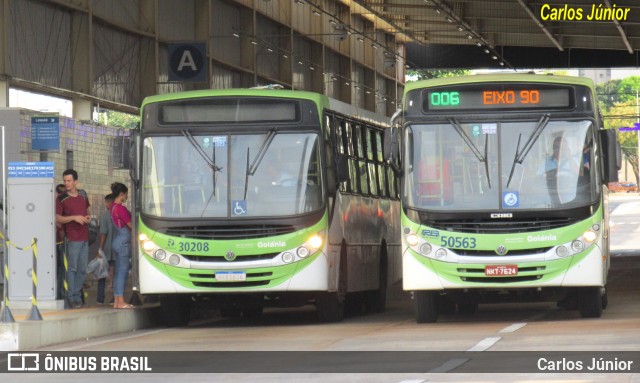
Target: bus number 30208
<point>193,246</point>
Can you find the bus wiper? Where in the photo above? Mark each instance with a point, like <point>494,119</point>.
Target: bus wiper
<point>214,178</point>
<point>520,155</point>
<point>473,147</point>
<point>251,170</point>
<point>194,143</point>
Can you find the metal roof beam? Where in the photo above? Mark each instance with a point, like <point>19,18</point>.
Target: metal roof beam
<point>622,33</point>
<point>539,23</point>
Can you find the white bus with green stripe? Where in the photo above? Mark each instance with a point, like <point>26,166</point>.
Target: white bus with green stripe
<point>252,198</point>
<point>504,192</point>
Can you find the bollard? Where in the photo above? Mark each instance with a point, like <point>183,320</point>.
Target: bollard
<point>34,314</point>
<point>6,317</point>
<point>65,284</point>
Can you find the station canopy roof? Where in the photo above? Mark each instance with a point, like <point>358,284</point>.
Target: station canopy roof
<point>514,33</point>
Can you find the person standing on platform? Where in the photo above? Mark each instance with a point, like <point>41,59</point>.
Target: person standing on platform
<point>60,189</point>
<point>121,244</point>
<point>104,246</point>
<point>72,211</point>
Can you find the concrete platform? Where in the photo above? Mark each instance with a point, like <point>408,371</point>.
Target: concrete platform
<point>59,326</point>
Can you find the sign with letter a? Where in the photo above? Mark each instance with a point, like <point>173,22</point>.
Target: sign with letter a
<point>188,61</point>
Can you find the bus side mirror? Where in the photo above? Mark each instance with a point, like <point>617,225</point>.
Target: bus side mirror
<point>134,171</point>
<point>390,141</point>
<point>611,154</point>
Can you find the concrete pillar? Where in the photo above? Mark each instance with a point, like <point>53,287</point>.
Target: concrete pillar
<point>4,93</point>
<point>82,109</point>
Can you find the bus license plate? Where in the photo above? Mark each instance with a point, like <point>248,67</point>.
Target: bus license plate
<point>231,276</point>
<point>501,270</point>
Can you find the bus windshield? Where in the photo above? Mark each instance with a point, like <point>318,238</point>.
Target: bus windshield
<point>500,165</point>
<point>231,175</point>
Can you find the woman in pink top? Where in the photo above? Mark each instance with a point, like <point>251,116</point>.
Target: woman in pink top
<point>121,243</point>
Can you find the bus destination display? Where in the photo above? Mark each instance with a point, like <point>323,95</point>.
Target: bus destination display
<point>497,98</point>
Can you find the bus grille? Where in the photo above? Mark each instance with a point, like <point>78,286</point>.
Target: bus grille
<point>492,253</point>
<point>230,231</point>
<point>221,258</point>
<point>492,226</point>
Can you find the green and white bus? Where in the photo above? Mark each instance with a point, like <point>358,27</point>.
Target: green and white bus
<point>253,198</point>
<point>504,192</point>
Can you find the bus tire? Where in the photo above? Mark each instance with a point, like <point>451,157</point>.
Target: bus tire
<point>377,299</point>
<point>232,312</point>
<point>425,306</point>
<point>252,312</point>
<point>176,310</point>
<point>467,308</point>
<point>590,302</point>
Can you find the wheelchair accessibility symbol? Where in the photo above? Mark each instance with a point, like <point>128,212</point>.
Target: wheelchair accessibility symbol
<point>510,199</point>
<point>239,207</point>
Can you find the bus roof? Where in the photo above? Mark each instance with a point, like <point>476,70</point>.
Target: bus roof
<point>318,98</point>
<point>500,77</point>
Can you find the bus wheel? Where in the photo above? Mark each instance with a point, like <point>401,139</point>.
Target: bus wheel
<point>467,307</point>
<point>176,310</point>
<point>377,299</point>
<point>252,312</point>
<point>230,313</point>
<point>426,306</point>
<point>590,302</point>
<point>330,307</point>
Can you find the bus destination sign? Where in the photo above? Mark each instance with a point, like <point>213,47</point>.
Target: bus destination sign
<point>500,97</point>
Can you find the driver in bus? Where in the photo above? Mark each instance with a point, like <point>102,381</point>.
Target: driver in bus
<point>561,158</point>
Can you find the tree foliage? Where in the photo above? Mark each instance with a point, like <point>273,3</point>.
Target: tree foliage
<point>118,119</point>
<point>619,108</point>
<point>425,74</point>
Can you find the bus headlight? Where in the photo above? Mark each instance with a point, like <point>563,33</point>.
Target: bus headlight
<point>174,260</point>
<point>412,239</point>
<point>287,257</point>
<point>577,246</point>
<point>148,246</point>
<point>425,249</point>
<point>159,255</point>
<point>315,242</point>
<point>302,252</point>
<point>562,251</point>
<point>441,253</point>
<point>590,236</point>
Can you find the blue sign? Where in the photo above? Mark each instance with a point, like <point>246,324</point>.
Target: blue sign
<point>239,207</point>
<point>510,199</point>
<point>45,133</point>
<point>188,61</point>
<point>30,170</point>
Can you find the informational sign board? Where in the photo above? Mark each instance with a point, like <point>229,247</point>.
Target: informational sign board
<point>45,133</point>
<point>30,170</point>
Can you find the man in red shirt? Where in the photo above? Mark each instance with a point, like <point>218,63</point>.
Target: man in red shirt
<point>72,211</point>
